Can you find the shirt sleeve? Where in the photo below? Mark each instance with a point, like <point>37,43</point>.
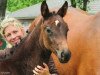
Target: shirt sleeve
<point>5,54</point>
<point>52,68</point>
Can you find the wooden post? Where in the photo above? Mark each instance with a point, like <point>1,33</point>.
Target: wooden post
<point>3,4</point>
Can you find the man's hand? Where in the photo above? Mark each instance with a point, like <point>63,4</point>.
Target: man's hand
<point>41,71</point>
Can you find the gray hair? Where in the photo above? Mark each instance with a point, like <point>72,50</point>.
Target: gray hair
<point>9,21</point>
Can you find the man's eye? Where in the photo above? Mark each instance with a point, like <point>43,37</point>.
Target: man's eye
<point>15,31</point>
<point>8,35</point>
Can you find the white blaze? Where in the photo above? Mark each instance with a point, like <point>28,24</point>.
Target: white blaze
<point>56,22</point>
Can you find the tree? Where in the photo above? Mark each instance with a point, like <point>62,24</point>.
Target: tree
<point>85,4</point>
<point>3,4</point>
<point>82,4</point>
<point>13,5</point>
<point>73,3</point>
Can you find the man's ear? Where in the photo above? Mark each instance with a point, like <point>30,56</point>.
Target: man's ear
<point>4,36</point>
<point>23,30</point>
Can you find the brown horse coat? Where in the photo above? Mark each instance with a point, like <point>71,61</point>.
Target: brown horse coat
<point>36,48</point>
<point>84,43</point>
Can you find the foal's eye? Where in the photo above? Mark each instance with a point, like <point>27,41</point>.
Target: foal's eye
<point>48,30</point>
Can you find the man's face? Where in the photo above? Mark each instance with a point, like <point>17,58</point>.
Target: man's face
<point>13,34</point>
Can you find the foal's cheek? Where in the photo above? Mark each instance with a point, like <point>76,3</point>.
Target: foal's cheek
<point>46,42</point>
<point>49,43</point>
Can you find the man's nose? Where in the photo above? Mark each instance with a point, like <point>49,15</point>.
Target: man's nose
<point>13,36</point>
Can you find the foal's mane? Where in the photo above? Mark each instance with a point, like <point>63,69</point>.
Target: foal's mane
<point>30,45</point>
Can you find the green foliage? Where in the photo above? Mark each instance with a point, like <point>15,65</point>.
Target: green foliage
<point>2,43</point>
<point>79,3</point>
<point>82,4</point>
<point>13,5</point>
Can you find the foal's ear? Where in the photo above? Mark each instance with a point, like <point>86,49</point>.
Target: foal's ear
<point>44,9</point>
<point>62,11</point>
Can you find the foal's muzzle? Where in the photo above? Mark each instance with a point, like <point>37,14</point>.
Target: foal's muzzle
<point>64,55</point>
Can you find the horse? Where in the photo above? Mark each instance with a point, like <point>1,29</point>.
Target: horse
<point>48,36</point>
<point>83,40</point>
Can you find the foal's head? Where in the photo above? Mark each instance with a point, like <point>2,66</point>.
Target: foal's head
<point>54,31</point>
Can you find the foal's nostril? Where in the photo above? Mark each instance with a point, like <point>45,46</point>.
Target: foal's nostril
<point>65,56</point>
<point>62,54</point>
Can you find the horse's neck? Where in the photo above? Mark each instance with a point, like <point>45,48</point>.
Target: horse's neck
<point>33,38</point>
<point>75,17</point>
<point>37,47</point>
